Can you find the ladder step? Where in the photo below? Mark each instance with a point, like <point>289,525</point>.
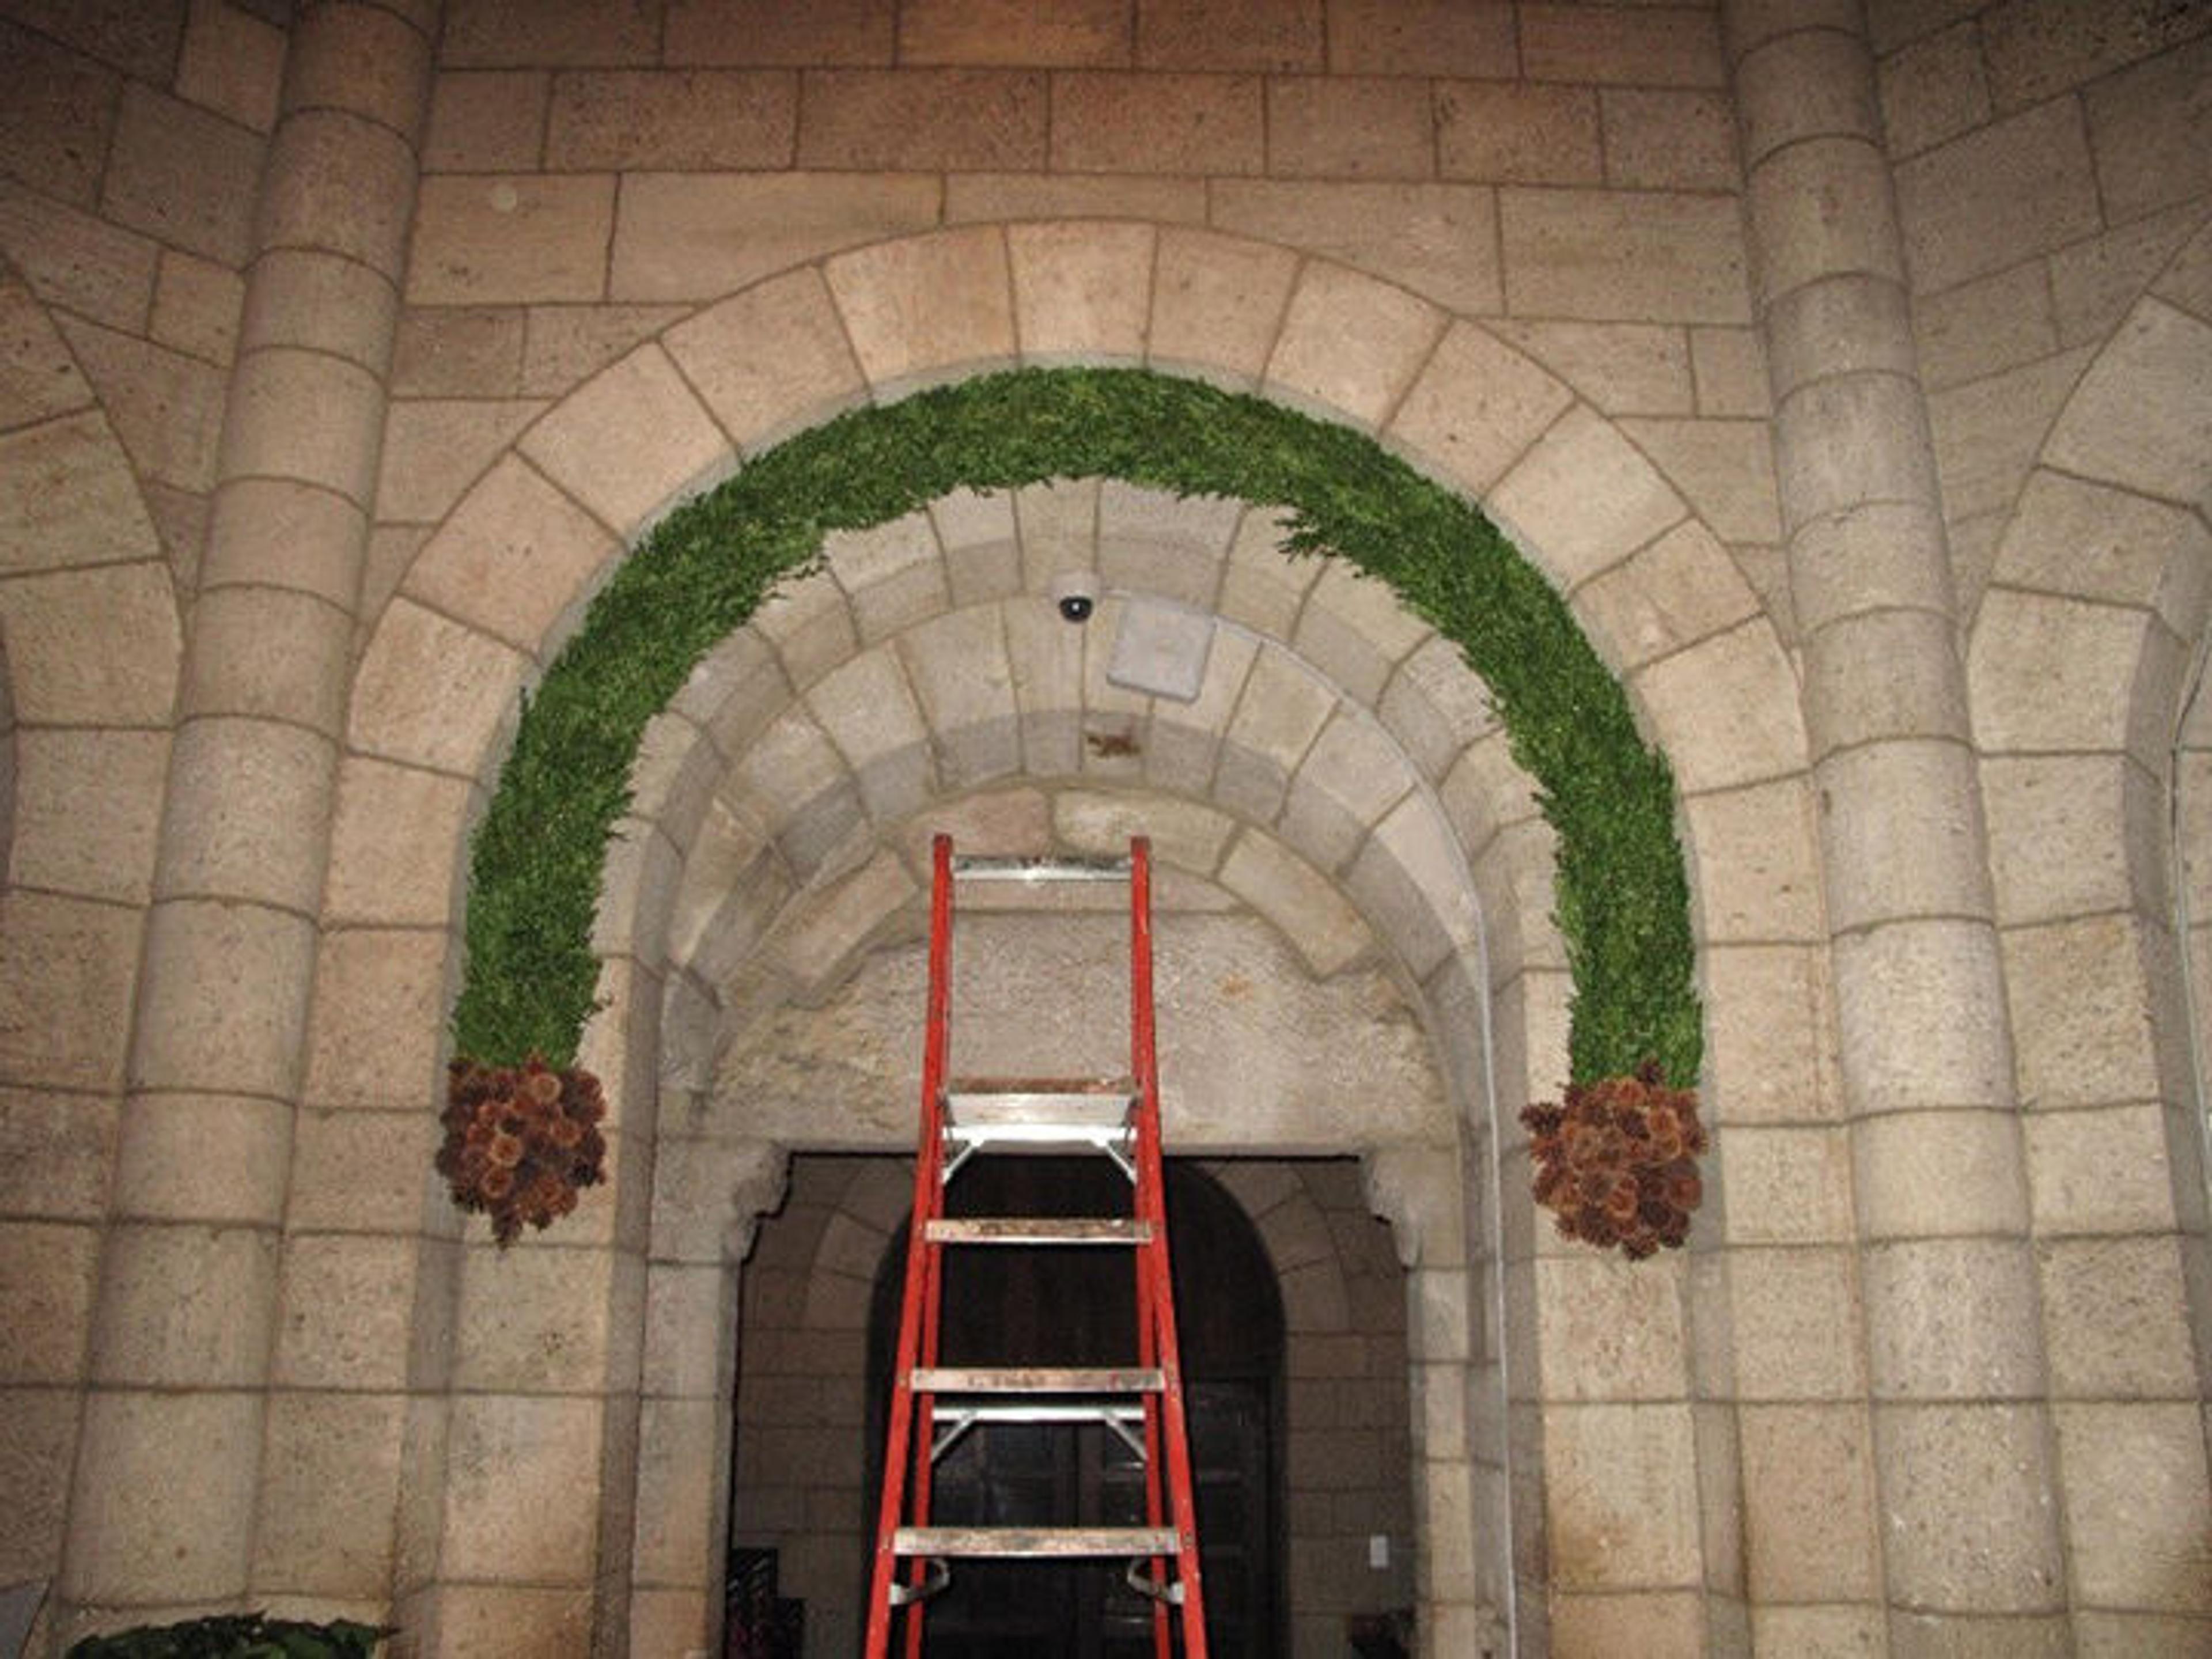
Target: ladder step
<point>1039,1229</point>
<point>1038,1379</point>
<point>1040,1110</point>
<point>1034,1542</point>
<point>1004,1094</point>
<point>984,867</point>
<point>970,1413</point>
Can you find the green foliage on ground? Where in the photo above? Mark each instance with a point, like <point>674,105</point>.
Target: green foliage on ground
<point>1622,899</point>
<point>236,1636</point>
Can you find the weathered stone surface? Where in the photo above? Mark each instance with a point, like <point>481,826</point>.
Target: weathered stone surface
<point>486,121</point>
<point>1440,240</point>
<point>167,408</point>
<point>1350,343</point>
<point>1422,37</point>
<point>971,197</point>
<point>1348,127</point>
<point>1934,90</point>
<point>1553,505</point>
<point>67,497</point>
<point>2142,411</point>
<point>696,121</point>
<point>432,692</point>
<point>1960,1529</point>
<point>1809,1497</point>
<point>1090,34</point>
<point>2104,1169</point>
<point>480,239</point>
<point>511,557</point>
<point>917,308</point>
<point>56,113</point>
<point>1622,368</point>
<point>2036,48</point>
<point>1081,290</point>
<point>196,306</point>
<point>313,299</point>
<point>1997,322</point>
<point>2134,1473</point>
<point>76,259</point>
<point>628,442</point>
<point>168,1512</point>
<point>434,449</point>
<point>1643,258</point>
<point>182,175</point>
<point>952,119</point>
<point>1274,35</point>
<point>770,32</point>
<point>1658,140</point>
<point>1310,1059</point>
<point>1191,123</point>
<point>332,1467</point>
<point>1218,302</point>
<point>2019,187</point>
<point>1725,468</point>
<point>130,681</point>
<point>510,1488</point>
<point>1621,1498</point>
<point>1516,132</point>
<point>1645,47</point>
<point>481,33</point>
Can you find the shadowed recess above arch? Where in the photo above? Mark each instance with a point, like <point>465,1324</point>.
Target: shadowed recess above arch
<point>1621,894</point>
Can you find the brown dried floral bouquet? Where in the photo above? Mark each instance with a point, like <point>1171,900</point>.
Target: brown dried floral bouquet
<point>521,1140</point>
<point>1617,1161</point>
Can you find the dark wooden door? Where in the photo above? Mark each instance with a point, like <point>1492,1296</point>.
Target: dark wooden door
<point>1078,1307</point>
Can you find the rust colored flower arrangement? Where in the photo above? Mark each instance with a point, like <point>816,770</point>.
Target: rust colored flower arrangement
<point>1616,1162</point>
<point>521,1141</point>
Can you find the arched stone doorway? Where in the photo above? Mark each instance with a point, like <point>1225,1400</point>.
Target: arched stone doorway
<point>1078,1308</point>
<point>1337,1434</point>
<point>1246,1028</point>
<point>733,888</point>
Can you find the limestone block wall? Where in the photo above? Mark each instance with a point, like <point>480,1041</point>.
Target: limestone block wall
<point>2049,161</point>
<point>367,446</point>
<point>86,745</point>
<point>130,155</point>
<point>2100,546</point>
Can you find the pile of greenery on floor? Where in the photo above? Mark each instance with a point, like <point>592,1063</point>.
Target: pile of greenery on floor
<point>237,1636</point>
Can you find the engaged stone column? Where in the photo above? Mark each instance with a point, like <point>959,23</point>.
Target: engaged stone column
<point>162,1514</point>
<point>1971,1556</point>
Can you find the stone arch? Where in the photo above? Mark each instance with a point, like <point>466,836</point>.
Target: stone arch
<point>498,585</point>
<point>90,643</point>
<point>2083,661</point>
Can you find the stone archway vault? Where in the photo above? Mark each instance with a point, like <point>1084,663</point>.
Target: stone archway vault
<point>470,625</point>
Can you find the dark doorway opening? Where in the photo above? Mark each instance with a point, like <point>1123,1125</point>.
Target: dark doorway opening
<point>1078,1307</point>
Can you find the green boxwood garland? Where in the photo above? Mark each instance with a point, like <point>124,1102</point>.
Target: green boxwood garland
<point>1622,898</point>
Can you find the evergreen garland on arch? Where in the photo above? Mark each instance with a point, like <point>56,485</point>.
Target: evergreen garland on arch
<point>1622,897</point>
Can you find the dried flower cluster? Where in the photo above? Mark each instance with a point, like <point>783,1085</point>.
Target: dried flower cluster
<point>1616,1162</point>
<point>521,1141</point>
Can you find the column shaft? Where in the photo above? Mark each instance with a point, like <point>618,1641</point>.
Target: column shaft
<point>1960,1421</point>
<point>163,1514</point>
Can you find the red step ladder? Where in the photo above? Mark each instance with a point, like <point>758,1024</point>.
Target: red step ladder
<point>933,1405</point>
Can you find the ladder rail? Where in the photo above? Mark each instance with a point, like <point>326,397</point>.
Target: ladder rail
<point>1153,1271</point>
<point>901,1441</point>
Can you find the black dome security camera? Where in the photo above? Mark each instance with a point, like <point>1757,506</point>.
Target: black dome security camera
<point>1076,593</point>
